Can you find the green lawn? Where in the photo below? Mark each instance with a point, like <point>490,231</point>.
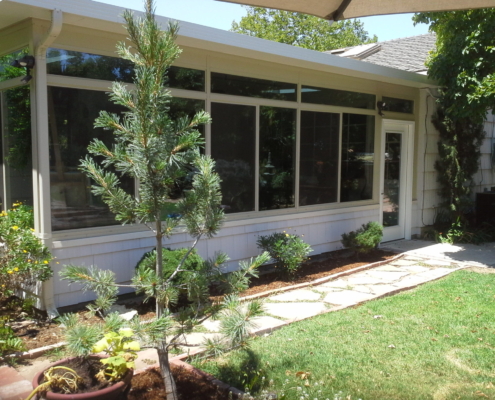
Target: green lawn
<point>434,342</point>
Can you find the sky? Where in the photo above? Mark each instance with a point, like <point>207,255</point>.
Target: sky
<point>220,15</point>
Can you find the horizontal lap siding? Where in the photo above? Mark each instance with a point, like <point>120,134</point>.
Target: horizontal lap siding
<point>322,232</point>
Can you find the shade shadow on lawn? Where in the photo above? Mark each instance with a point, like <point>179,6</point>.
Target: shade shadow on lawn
<point>433,342</point>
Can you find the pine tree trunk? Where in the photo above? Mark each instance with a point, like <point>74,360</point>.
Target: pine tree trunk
<point>168,379</point>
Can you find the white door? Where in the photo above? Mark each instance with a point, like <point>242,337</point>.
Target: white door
<point>396,182</point>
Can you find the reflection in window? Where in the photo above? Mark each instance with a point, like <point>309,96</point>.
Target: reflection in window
<point>71,130</point>
<point>181,108</point>
<point>16,180</point>
<point>319,158</point>
<point>358,133</point>
<point>87,65</point>
<point>334,97</point>
<point>7,71</point>
<point>398,105</point>
<point>277,146</point>
<point>233,143</point>
<point>391,182</point>
<point>252,87</point>
<point>186,78</point>
<point>94,66</point>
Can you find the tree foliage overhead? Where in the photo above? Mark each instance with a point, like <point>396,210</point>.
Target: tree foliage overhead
<point>301,30</point>
<point>463,62</point>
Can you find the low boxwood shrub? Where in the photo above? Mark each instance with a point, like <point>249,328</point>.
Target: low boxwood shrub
<point>171,259</point>
<point>289,251</point>
<point>364,239</point>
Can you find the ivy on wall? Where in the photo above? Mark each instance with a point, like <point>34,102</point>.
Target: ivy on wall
<point>463,64</point>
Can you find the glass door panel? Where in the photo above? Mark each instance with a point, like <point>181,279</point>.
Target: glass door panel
<point>392,179</point>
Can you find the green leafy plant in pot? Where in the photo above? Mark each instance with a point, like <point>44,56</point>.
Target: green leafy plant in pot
<point>103,354</point>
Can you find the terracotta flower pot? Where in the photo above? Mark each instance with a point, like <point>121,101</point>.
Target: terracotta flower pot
<point>109,393</point>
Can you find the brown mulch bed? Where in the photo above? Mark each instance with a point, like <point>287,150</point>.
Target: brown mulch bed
<point>41,332</point>
<point>149,386</point>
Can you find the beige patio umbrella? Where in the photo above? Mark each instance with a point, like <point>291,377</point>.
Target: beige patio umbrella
<point>335,10</point>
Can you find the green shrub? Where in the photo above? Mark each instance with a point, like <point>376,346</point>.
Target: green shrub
<point>171,259</point>
<point>24,260</point>
<point>289,251</point>
<point>9,342</point>
<point>364,239</point>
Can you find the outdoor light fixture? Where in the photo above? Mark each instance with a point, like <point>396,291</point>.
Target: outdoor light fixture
<point>380,105</point>
<point>24,62</point>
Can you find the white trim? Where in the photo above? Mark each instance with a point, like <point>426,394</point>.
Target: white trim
<point>406,128</point>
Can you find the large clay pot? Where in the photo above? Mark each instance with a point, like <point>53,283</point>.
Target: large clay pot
<point>109,393</point>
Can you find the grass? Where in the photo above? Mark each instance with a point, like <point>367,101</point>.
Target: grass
<point>434,342</point>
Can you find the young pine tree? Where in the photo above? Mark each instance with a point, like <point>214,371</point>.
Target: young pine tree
<point>157,152</point>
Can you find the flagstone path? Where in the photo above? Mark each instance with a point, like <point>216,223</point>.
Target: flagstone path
<point>282,308</point>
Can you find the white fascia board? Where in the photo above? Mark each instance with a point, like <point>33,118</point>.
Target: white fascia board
<point>95,15</point>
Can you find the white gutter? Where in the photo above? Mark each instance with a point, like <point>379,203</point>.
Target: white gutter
<point>41,163</point>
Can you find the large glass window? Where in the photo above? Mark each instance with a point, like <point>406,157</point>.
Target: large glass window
<point>72,113</point>
<point>94,66</point>
<point>252,87</point>
<point>186,78</point>
<point>318,177</point>
<point>16,182</point>
<point>87,65</point>
<point>334,97</point>
<point>233,144</point>
<point>358,156</point>
<point>277,156</point>
<point>398,105</point>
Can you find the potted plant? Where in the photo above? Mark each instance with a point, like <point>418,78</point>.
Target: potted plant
<point>98,369</point>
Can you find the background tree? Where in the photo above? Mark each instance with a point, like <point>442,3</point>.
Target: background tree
<point>301,30</point>
<point>463,64</point>
<point>158,151</point>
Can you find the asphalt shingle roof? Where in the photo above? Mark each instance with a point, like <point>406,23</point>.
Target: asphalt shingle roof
<point>408,54</point>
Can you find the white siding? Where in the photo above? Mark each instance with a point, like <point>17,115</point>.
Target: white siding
<point>120,253</point>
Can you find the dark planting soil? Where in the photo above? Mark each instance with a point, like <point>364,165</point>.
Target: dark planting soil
<point>39,332</point>
<point>149,386</point>
<point>87,370</point>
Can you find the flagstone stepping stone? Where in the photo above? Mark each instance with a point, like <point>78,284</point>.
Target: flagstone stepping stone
<point>339,283</point>
<point>363,288</point>
<point>326,289</point>
<point>212,326</point>
<point>294,311</point>
<point>297,295</point>
<point>439,263</point>
<point>411,280</point>
<point>416,269</point>
<point>378,290</point>
<point>363,279</point>
<point>347,297</point>
<point>402,262</point>
<point>436,273</point>
<point>388,267</point>
<point>387,276</point>
<point>196,339</point>
<point>266,322</point>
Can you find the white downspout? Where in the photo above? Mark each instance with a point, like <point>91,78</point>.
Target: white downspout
<point>41,163</point>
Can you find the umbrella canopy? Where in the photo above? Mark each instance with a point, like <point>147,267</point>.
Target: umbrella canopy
<point>343,9</point>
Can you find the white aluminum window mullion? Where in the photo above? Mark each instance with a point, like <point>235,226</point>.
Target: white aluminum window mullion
<point>298,149</point>
<point>257,161</point>
<point>339,157</point>
<point>208,107</point>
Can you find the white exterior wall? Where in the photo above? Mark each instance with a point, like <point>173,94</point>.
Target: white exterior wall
<point>120,253</point>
